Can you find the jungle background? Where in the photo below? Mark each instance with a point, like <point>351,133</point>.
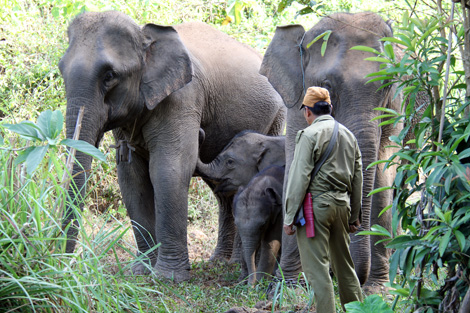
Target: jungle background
<point>430,237</point>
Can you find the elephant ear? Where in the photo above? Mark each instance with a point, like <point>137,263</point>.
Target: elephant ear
<point>282,63</point>
<point>276,199</point>
<point>167,64</point>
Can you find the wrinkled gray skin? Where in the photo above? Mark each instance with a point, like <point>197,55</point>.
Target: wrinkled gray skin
<point>258,216</point>
<point>342,71</point>
<point>247,154</point>
<point>156,86</point>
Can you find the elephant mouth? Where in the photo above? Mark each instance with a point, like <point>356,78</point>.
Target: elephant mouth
<point>225,187</point>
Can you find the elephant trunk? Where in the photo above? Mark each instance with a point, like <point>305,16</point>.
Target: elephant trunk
<point>249,255</point>
<point>208,171</point>
<point>90,132</point>
<point>367,135</point>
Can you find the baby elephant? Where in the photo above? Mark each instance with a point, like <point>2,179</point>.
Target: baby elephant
<point>258,216</point>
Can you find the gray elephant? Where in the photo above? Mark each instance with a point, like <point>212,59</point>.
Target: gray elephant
<point>291,67</point>
<point>258,216</point>
<point>155,87</point>
<point>247,154</point>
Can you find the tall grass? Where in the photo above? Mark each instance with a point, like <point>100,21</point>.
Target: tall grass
<point>35,273</point>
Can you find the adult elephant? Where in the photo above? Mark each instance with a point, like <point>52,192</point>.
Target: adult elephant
<point>291,67</point>
<point>155,87</point>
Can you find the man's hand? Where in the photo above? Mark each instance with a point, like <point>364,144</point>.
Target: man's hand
<point>289,229</point>
<point>354,226</point>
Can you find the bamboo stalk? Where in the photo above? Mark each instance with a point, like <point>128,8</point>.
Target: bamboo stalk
<point>66,177</point>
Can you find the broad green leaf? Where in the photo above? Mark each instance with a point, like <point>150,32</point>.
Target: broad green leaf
<point>394,40</point>
<point>23,155</point>
<point>378,59</point>
<point>444,243</point>
<point>35,157</point>
<point>404,292</point>
<point>382,116</point>
<point>379,73</point>
<point>27,130</point>
<point>387,122</point>
<point>371,304</point>
<point>402,241</point>
<point>377,190</point>
<point>395,258</point>
<point>405,156</point>
<point>388,207</point>
<point>411,178</point>
<point>379,79</point>
<point>382,230</point>
<point>283,4</point>
<point>376,163</point>
<point>325,34</point>
<point>366,49</point>
<point>50,123</point>
<point>84,147</point>
<point>460,238</point>
<point>432,231</point>
<point>404,258</point>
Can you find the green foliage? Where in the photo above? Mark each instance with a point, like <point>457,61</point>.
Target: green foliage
<point>371,304</point>
<point>46,133</point>
<point>35,273</point>
<point>432,184</point>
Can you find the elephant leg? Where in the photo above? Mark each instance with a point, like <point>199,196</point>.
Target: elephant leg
<point>237,249</point>
<point>227,229</point>
<point>380,255</point>
<point>137,193</point>
<point>278,123</point>
<point>267,260</point>
<point>290,265</point>
<point>172,163</point>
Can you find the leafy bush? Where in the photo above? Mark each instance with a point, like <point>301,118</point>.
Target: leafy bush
<point>35,273</point>
<point>432,185</point>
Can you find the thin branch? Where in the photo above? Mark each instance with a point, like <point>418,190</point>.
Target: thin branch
<point>443,108</point>
<point>70,158</point>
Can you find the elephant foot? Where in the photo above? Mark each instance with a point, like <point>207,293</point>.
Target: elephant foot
<point>177,275</point>
<point>371,288</point>
<point>220,256</point>
<point>141,268</point>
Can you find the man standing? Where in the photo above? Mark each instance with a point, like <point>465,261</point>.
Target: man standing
<point>337,198</point>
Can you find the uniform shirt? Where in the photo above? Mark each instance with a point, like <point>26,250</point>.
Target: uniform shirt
<point>340,177</point>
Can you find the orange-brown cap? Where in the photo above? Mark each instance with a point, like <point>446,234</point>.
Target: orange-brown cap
<point>314,95</point>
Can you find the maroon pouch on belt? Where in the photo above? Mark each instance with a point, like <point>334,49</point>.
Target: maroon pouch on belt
<point>308,215</point>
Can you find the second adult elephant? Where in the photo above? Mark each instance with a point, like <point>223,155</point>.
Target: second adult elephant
<point>291,67</point>
<point>155,87</point>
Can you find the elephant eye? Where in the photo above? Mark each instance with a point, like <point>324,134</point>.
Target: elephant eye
<point>109,77</point>
<point>230,163</point>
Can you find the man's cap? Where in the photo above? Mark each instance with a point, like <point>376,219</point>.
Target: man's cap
<point>314,95</point>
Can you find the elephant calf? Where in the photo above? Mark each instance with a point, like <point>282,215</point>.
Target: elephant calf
<point>258,216</point>
<point>247,154</point>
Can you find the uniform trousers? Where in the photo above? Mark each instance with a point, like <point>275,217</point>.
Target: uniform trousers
<point>329,247</point>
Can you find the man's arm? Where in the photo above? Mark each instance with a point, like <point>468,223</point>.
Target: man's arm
<point>356,195</point>
<point>299,177</point>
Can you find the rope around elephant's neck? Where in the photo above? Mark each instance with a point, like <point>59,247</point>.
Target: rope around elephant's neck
<point>302,63</point>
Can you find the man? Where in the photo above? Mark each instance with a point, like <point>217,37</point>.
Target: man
<point>337,198</point>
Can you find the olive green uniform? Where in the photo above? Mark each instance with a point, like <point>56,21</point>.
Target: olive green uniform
<point>337,197</point>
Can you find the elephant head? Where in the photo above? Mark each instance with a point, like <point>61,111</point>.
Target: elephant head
<point>291,67</point>
<point>117,71</point>
<point>258,216</point>
<point>247,154</point>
